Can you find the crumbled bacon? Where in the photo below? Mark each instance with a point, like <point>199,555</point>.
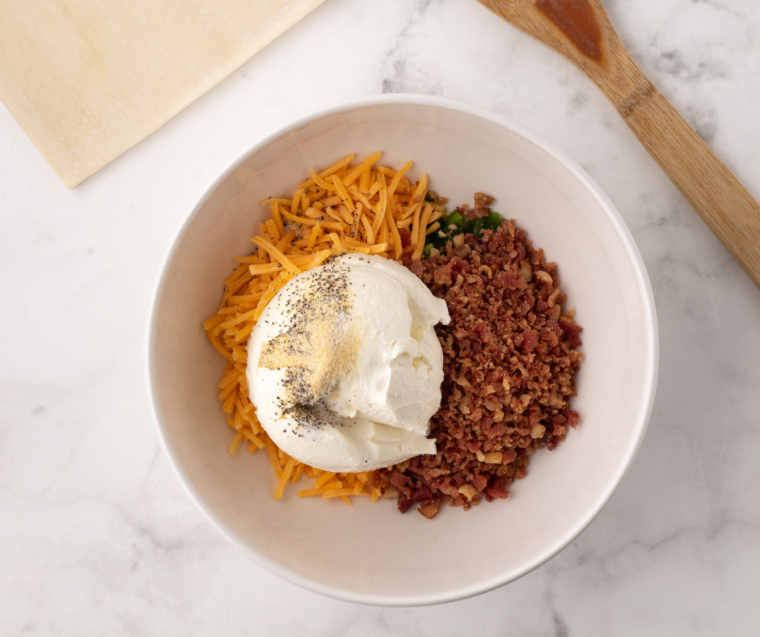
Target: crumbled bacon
<point>510,361</point>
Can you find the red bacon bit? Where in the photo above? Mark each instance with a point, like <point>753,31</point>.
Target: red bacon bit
<point>572,330</point>
<point>479,482</point>
<point>497,430</point>
<point>403,504</point>
<point>416,268</point>
<point>530,340</point>
<point>423,493</point>
<point>443,274</point>
<point>398,480</point>
<point>497,489</point>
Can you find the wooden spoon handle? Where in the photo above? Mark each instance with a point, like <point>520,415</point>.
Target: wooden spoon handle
<point>581,31</point>
<point>712,190</point>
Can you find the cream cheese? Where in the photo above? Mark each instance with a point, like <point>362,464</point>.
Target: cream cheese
<point>344,367</point>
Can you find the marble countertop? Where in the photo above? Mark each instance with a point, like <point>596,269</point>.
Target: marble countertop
<point>97,536</point>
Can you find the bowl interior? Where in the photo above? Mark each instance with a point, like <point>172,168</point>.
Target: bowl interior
<point>370,553</point>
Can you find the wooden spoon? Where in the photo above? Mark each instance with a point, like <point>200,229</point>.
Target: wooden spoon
<point>581,31</point>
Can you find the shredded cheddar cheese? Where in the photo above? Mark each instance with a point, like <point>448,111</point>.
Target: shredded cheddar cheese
<point>345,208</point>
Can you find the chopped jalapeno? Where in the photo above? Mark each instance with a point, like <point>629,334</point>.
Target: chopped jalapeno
<point>456,223</point>
<point>455,219</point>
<point>475,226</point>
<point>440,242</point>
<point>492,221</point>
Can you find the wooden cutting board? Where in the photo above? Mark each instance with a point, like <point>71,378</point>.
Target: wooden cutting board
<point>87,79</point>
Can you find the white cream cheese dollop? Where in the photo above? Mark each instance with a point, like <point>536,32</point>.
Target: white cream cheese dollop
<point>344,367</point>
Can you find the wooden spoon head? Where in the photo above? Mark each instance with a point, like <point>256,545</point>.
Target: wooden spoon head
<point>579,30</point>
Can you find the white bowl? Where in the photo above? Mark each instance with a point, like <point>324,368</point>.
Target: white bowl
<point>370,553</point>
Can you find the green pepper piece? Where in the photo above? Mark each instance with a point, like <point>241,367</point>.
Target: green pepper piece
<point>428,198</point>
<point>492,221</point>
<point>455,219</point>
<point>440,242</point>
<point>426,250</point>
<point>475,226</point>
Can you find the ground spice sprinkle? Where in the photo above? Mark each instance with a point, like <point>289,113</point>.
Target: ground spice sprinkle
<point>318,344</point>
